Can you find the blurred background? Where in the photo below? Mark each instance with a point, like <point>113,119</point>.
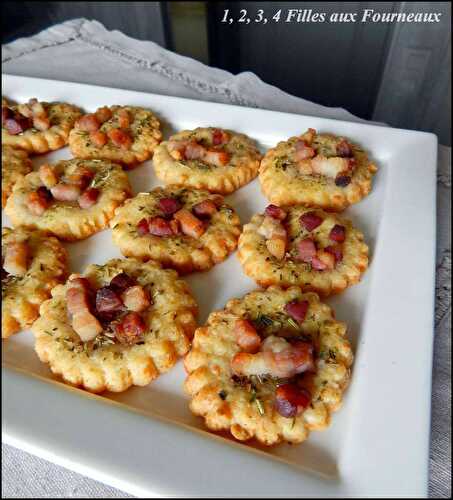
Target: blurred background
<point>398,73</point>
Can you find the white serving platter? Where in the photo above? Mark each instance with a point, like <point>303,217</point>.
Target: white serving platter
<point>146,442</point>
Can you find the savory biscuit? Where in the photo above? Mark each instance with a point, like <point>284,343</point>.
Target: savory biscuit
<point>220,161</point>
<point>183,228</point>
<point>307,247</point>
<point>319,170</point>
<point>15,164</point>
<point>72,199</point>
<point>37,127</point>
<point>32,264</point>
<point>123,134</point>
<point>120,324</point>
<point>272,365</point>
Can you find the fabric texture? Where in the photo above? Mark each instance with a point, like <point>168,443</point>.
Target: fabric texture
<point>69,51</point>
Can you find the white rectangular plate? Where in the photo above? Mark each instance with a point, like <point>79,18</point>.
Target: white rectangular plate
<point>146,441</point>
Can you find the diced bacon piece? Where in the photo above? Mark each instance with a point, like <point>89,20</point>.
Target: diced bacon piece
<point>310,221</point>
<point>246,336</point>
<point>107,300</point>
<point>25,110</point>
<point>275,212</point>
<point>338,233</point>
<point>271,227</point>
<point>80,177</point>
<point>37,107</point>
<point>204,209</point>
<point>220,136</point>
<point>342,180</point>
<point>103,114</point>
<point>308,136</point>
<point>217,199</point>
<point>194,151</point>
<point>78,294</point>
<point>217,158</point>
<point>65,192</point>
<point>336,251</point>
<point>277,358</point>
<point>136,298</point>
<point>124,119</point>
<point>303,151</point>
<point>16,258</point>
<point>88,198</point>
<point>98,138</point>
<point>169,205</point>
<point>17,124</point>
<point>158,226</point>
<point>122,281</point>
<point>297,309</point>
<point>190,225</point>
<point>306,250</point>
<point>276,246</point>
<point>48,176</point>
<point>120,138</point>
<point>143,227</point>
<point>177,149</point>
<point>323,261</point>
<point>86,325</point>
<point>38,201</point>
<point>88,123</point>
<point>41,123</point>
<point>330,167</point>
<point>130,329</point>
<point>344,149</point>
<point>291,400</point>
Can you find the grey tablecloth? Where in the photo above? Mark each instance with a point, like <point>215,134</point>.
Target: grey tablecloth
<point>84,51</point>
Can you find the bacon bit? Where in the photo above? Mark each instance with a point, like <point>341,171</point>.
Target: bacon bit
<point>88,198</point>
<point>330,167</point>
<point>38,201</point>
<point>169,205</point>
<point>48,176</point>
<point>143,227</point>
<point>78,295</point>
<point>120,138</point>
<point>342,180</point>
<point>176,149</point>
<point>219,137</point>
<point>323,261</point>
<point>65,192</point>
<point>336,251</point>
<point>217,158</point>
<point>306,249</point>
<point>310,220</point>
<point>80,177</point>
<point>135,298</point>
<point>309,136</point>
<point>217,199</point>
<point>303,151</point>
<point>291,400</point>
<point>124,120</point>
<point>98,138</point>
<point>297,309</point>
<point>194,151</point>
<point>122,281</point>
<point>103,114</point>
<point>158,226</point>
<point>88,123</point>
<point>16,258</point>
<point>271,227</point>
<point>107,300</point>
<point>86,325</point>
<point>344,149</point>
<point>25,110</point>
<point>131,329</point>
<point>17,124</point>
<point>246,336</point>
<point>275,212</point>
<point>338,233</point>
<point>190,225</point>
<point>204,209</point>
<point>41,122</point>
<point>37,107</point>
<point>276,246</point>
